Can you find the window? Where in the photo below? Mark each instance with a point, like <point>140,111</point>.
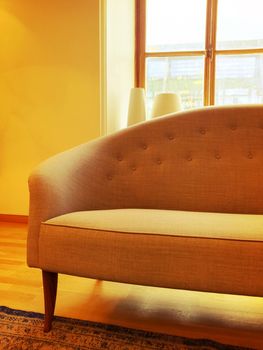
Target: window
<point>208,51</point>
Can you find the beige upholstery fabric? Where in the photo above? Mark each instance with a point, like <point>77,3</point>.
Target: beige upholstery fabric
<point>167,222</point>
<point>204,160</point>
<point>207,264</point>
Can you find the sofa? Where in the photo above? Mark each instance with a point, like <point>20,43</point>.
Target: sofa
<point>173,202</point>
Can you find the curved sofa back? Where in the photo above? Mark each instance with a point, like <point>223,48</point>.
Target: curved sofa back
<point>209,159</point>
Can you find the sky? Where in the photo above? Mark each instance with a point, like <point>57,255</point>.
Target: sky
<point>182,21</point>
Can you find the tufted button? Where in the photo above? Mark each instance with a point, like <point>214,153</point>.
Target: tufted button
<point>109,177</point>
<point>202,131</point>
<point>250,155</point>
<point>189,158</point>
<point>170,137</point>
<point>217,156</point>
<point>119,158</point>
<point>233,127</point>
<point>158,161</point>
<point>133,168</point>
<point>144,146</point>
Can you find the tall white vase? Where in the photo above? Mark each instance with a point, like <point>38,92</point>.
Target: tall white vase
<point>137,106</point>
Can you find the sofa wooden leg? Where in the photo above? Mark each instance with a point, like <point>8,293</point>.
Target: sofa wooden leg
<point>50,280</point>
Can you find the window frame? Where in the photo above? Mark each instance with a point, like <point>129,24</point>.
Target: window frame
<point>209,53</point>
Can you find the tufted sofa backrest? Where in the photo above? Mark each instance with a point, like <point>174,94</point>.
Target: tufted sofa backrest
<point>208,159</point>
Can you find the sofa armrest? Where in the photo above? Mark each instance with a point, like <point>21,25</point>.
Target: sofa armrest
<point>56,187</point>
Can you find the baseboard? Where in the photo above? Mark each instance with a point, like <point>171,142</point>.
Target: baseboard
<point>21,219</point>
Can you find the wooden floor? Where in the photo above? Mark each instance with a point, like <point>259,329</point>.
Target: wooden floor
<point>236,320</point>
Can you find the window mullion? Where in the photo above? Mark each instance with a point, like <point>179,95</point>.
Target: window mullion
<point>140,42</point>
<point>207,58</point>
<point>210,47</point>
<point>213,51</point>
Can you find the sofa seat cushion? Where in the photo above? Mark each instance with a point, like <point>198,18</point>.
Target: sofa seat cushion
<point>167,222</point>
<point>217,252</point>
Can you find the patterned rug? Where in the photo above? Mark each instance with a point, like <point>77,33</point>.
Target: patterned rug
<point>21,330</point>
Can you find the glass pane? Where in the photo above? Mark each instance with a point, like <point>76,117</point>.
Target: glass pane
<point>239,24</point>
<point>173,25</point>
<point>183,75</point>
<point>239,79</point>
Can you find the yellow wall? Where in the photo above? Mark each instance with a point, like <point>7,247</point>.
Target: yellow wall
<point>119,61</point>
<point>49,87</point>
